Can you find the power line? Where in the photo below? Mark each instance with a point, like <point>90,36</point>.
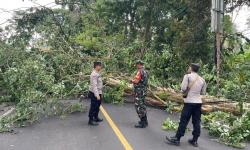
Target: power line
<point>43,5</point>
<point>246,33</point>
<point>181,10</point>
<point>20,8</point>
<point>236,15</point>
<point>14,10</point>
<point>246,30</point>
<point>4,22</point>
<point>64,37</point>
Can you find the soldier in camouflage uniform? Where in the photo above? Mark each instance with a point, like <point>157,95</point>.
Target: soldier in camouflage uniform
<point>140,91</point>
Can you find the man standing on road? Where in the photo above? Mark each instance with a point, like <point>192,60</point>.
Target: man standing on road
<point>95,94</point>
<point>140,90</point>
<point>195,86</point>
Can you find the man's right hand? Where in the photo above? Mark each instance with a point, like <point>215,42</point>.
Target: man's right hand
<point>98,97</point>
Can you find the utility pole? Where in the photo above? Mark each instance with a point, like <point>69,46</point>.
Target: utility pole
<point>218,61</point>
<point>217,15</point>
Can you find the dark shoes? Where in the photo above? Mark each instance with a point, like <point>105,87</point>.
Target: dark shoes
<point>193,142</point>
<point>173,141</point>
<point>143,123</point>
<point>145,119</point>
<point>98,119</point>
<point>92,123</point>
<point>140,125</point>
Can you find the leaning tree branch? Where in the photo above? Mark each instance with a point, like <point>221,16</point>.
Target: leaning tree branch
<point>233,4</point>
<point>244,37</point>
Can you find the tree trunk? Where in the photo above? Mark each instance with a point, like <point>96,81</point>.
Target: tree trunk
<point>148,21</point>
<point>158,96</point>
<point>132,10</point>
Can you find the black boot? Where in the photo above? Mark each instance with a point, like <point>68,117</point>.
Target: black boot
<point>97,119</point>
<point>193,142</point>
<point>146,120</point>
<point>92,123</point>
<point>140,124</point>
<point>173,140</point>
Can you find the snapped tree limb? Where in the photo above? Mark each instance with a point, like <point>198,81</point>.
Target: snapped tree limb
<point>159,96</point>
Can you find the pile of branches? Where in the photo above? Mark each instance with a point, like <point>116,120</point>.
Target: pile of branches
<point>161,97</point>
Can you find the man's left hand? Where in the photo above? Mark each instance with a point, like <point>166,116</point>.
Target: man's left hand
<point>131,81</point>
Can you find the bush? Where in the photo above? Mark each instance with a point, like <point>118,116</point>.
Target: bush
<point>29,81</point>
<point>33,86</point>
<point>169,124</point>
<point>114,95</point>
<point>231,130</point>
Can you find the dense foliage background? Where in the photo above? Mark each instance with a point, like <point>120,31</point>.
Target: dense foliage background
<point>167,35</point>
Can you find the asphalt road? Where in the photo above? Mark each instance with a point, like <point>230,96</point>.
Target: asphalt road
<point>73,133</point>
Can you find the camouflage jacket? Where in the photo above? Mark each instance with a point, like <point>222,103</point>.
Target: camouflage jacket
<point>143,83</point>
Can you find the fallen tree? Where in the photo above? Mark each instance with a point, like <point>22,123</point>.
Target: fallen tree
<point>160,97</point>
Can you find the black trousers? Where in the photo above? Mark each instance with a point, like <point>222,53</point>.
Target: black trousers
<point>94,106</point>
<point>190,110</point>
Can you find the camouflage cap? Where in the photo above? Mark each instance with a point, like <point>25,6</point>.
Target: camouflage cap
<point>139,62</point>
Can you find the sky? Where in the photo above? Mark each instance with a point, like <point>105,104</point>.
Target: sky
<point>239,16</point>
<point>7,7</point>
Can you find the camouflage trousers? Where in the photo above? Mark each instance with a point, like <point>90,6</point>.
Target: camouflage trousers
<point>140,105</point>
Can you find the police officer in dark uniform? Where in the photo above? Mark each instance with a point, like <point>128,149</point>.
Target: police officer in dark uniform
<point>95,94</point>
<point>140,91</point>
<point>195,86</point>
